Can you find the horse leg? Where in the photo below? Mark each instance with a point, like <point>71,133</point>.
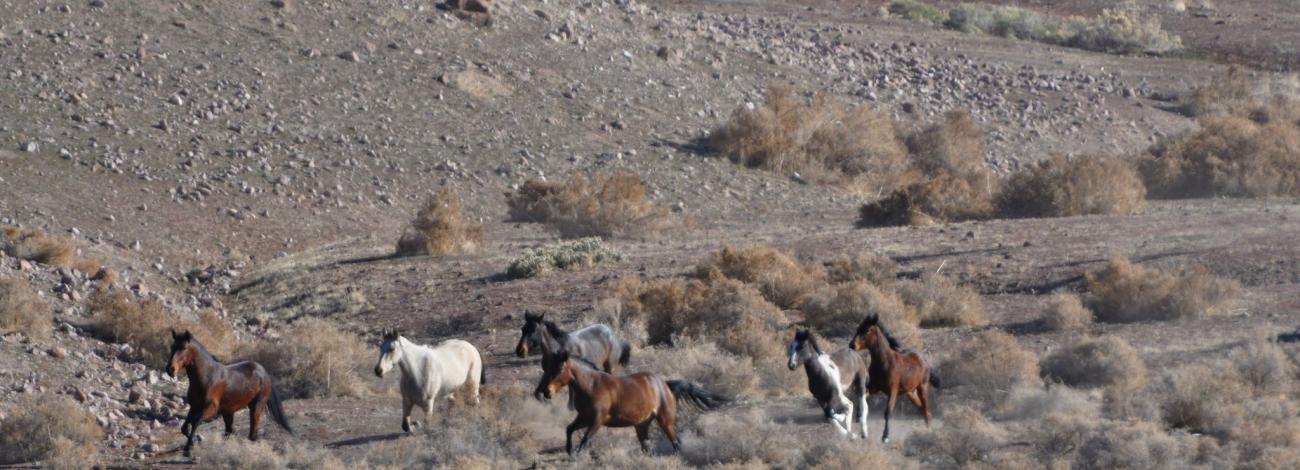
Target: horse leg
<point>568,434</point>
<point>667,419</point>
<point>255,410</point>
<point>862,412</point>
<point>591,430</point>
<point>229,418</point>
<point>924,394</point>
<point>191,427</point>
<point>889,410</point>
<point>407,404</point>
<point>643,436</point>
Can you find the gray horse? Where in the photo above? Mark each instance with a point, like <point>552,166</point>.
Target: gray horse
<point>596,343</point>
<point>830,377</point>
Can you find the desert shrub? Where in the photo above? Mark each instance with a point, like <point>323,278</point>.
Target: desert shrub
<point>1123,292</point>
<point>1066,312</point>
<point>143,324</point>
<point>235,453</point>
<point>1204,398</point>
<point>1120,31</point>
<point>1230,93</point>
<point>440,228</point>
<point>823,139</point>
<point>1255,155</point>
<point>1107,362</point>
<point>951,181</point>
<point>703,363</point>
<point>1063,187</point>
<point>1268,434</point>
<point>314,358</point>
<point>838,309</point>
<point>22,310</point>
<point>1059,436</point>
<point>574,255</point>
<point>727,312</point>
<point>940,302</point>
<point>1135,444</point>
<point>599,205</point>
<point>745,437</point>
<point>1264,366</point>
<point>36,245</point>
<point>496,433</point>
<point>916,10</point>
<point>990,366</point>
<point>965,438</point>
<point>49,427</point>
<point>878,269</point>
<point>1036,403</point>
<point>782,280</point>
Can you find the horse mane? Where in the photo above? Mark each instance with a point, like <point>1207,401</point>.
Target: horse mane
<point>812,341</point>
<point>203,349</point>
<point>555,331</point>
<point>586,362</point>
<point>893,343</point>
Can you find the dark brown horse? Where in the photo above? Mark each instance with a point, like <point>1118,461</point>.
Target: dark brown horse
<point>892,371</point>
<point>605,400</point>
<point>216,388</point>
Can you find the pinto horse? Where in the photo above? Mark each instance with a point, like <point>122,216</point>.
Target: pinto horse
<point>216,388</point>
<point>605,400</point>
<point>596,343</point>
<point>892,371</point>
<point>830,377</point>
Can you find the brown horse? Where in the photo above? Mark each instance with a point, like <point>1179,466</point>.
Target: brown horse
<point>636,400</point>
<point>216,388</point>
<point>892,371</point>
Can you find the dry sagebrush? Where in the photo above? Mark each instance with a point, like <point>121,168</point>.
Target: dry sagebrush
<point>938,301</point>
<point>52,428</point>
<point>840,308</point>
<point>440,228</point>
<point>1066,312</point>
<point>989,367</point>
<point>823,139</point>
<point>783,280</point>
<point>22,310</point>
<point>1253,155</point>
<point>1062,187</point>
<point>1124,292</point>
<point>1107,362</point>
<point>574,255</point>
<point>146,326</point>
<point>599,205</point>
<point>314,358</point>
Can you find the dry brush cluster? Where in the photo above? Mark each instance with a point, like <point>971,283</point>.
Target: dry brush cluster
<point>598,205</point>
<point>40,247</point>
<point>56,430</point>
<point>440,228</point>
<point>22,310</point>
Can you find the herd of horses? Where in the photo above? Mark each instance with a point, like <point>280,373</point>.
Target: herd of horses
<point>588,362</point>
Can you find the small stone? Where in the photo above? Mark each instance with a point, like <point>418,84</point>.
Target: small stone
<point>30,147</point>
<point>350,56</point>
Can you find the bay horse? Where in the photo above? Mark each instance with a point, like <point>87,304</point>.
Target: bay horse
<point>829,377</point>
<point>216,388</point>
<point>606,400</point>
<point>893,371</point>
<point>596,343</point>
<point>430,373</point>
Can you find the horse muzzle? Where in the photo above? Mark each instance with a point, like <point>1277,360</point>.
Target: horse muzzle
<point>521,351</point>
<point>542,395</point>
<point>792,365</point>
<point>379,372</point>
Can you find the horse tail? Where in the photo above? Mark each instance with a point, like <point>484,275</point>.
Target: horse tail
<point>626,355</point>
<point>482,372</point>
<point>687,392</point>
<point>934,377</point>
<point>277,411</point>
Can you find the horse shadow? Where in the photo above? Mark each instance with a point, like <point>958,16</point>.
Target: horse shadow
<point>362,440</point>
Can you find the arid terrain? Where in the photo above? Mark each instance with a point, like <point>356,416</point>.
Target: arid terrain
<point>245,169</point>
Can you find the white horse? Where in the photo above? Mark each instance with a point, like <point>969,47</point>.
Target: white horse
<point>430,373</point>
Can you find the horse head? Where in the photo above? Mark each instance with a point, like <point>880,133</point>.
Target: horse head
<point>183,353</point>
<point>555,375</point>
<point>528,333</point>
<point>863,338</point>
<point>802,337</point>
<point>390,352</point>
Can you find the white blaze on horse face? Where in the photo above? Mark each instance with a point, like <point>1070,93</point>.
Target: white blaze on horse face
<point>794,355</point>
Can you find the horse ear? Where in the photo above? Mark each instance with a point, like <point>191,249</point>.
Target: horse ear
<point>175,335</point>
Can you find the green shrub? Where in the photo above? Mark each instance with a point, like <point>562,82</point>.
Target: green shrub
<point>574,255</point>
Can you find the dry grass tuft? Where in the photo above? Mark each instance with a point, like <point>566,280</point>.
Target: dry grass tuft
<point>1230,93</point>
<point>782,280</point>
<point>839,308</point>
<point>440,228</point>
<point>600,205</point>
<point>877,269</point>
<point>952,181</point>
<point>1037,403</point>
<point>146,326</point>
<point>49,427</point>
<point>823,140</point>
<point>38,246</point>
<point>1107,362</point>
<point>1204,398</point>
<point>751,439</point>
<point>1066,312</point>
<point>573,255</point>
<point>1237,155</point>
<point>990,366</point>
<point>314,358</point>
<point>1124,292</point>
<point>1119,31</point>
<point>940,302</point>
<point>22,310</point>
<point>1133,444</point>
<point>1063,187</point>
<point>1265,367</point>
<point>727,312</point>
<point>966,438</point>
<point>704,363</point>
<point>241,454</point>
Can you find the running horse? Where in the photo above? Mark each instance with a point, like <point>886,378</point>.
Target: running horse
<point>596,343</point>
<point>430,373</point>
<point>830,376</point>
<point>219,389</point>
<point>606,400</point>
<point>893,371</point>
